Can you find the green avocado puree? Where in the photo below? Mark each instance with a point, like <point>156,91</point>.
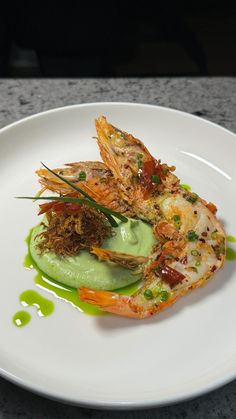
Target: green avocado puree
<point>134,237</point>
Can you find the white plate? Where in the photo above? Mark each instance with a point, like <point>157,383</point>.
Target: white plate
<point>107,361</point>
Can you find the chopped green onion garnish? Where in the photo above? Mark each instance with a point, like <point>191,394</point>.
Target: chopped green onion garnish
<point>195,252</point>
<point>214,234</point>
<point>148,294</point>
<point>194,269</point>
<point>176,219</point>
<point>164,295</point>
<point>139,160</point>
<point>82,175</point>
<point>198,263</point>
<point>76,188</point>
<point>155,179</point>
<point>192,236</point>
<point>192,198</point>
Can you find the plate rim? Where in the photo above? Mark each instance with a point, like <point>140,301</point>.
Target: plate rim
<point>116,103</point>
<point>102,404</point>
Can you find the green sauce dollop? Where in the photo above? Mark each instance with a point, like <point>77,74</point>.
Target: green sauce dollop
<point>134,237</point>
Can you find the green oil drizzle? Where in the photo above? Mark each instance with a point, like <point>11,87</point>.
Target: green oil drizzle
<point>64,292</point>
<point>230,254</point>
<point>30,298</point>
<point>231,239</point>
<point>21,318</point>
<point>186,187</point>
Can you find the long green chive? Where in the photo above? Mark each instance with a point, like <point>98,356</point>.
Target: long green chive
<point>93,204</point>
<point>148,294</point>
<point>76,188</point>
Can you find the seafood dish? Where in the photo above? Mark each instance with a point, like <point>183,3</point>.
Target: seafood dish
<point>175,241</point>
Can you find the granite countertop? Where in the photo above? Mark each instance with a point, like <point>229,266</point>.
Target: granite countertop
<point>210,98</point>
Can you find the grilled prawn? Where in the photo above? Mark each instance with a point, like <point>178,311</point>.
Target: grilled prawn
<point>190,240</point>
<point>91,176</point>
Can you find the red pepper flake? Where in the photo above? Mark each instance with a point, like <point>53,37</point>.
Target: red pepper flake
<point>170,276</point>
<point>202,240</point>
<point>213,268</point>
<point>204,234</point>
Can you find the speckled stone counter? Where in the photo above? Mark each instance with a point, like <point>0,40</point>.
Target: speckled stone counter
<point>213,99</point>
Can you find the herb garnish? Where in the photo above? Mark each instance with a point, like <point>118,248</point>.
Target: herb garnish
<point>82,175</point>
<point>192,198</point>
<point>192,236</point>
<point>155,179</point>
<point>164,296</point>
<point>148,294</point>
<point>139,160</point>
<point>195,252</point>
<point>176,219</point>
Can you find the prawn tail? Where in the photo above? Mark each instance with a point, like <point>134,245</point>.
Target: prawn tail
<point>108,301</point>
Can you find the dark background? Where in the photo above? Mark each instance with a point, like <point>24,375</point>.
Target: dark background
<point>117,38</point>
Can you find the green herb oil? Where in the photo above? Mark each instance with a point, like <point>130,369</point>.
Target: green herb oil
<point>21,318</point>
<point>64,292</point>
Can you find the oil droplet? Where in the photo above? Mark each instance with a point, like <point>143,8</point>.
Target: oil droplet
<point>230,254</point>
<point>21,318</point>
<point>186,187</point>
<point>64,292</point>
<point>231,239</point>
<point>44,306</point>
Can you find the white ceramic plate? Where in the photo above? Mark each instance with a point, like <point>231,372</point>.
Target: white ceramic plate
<point>107,361</point>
